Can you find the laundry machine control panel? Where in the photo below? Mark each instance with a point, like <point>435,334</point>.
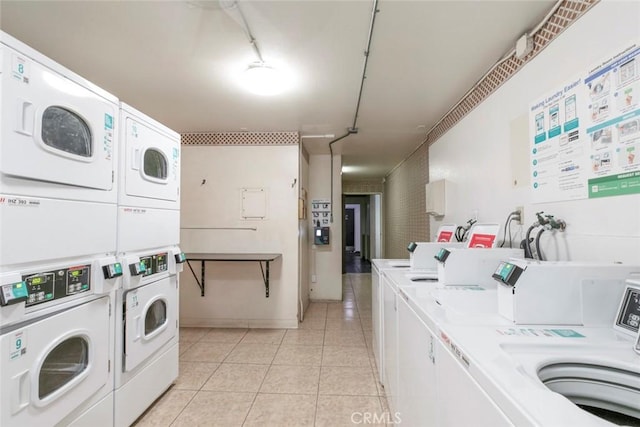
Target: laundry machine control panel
<point>156,263</point>
<point>629,311</point>
<point>47,286</point>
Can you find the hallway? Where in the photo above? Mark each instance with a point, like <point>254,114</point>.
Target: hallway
<point>321,374</point>
<point>354,263</point>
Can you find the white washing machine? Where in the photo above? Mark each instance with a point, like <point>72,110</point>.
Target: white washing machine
<point>58,160</point>
<point>146,331</point>
<point>148,234</point>
<point>56,343</point>
<point>563,374</point>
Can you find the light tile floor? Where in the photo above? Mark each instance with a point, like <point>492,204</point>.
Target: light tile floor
<point>321,374</point>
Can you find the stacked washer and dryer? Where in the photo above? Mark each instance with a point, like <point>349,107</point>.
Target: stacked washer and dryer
<point>148,236</point>
<point>89,257</point>
<point>58,266</point>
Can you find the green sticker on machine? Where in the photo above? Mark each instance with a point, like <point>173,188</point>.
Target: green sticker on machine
<point>566,333</point>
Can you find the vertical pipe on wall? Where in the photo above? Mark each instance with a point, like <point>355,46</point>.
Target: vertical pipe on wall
<point>331,174</point>
<point>354,128</point>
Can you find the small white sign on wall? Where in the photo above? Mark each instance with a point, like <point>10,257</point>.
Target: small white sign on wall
<point>321,212</point>
<point>254,203</point>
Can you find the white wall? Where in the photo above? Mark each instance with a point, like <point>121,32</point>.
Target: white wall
<point>478,154</point>
<point>326,261</point>
<point>212,180</point>
<point>303,230</point>
<point>375,226</point>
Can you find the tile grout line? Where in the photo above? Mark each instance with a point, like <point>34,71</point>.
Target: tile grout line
<point>196,391</point>
<point>358,301</point>
<point>244,421</point>
<point>324,335</point>
<point>212,373</point>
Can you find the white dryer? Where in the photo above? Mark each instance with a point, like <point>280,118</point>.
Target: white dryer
<point>149,197</point>
<point>58,158</point>
<point>57,343</point>
<point>150,167</point>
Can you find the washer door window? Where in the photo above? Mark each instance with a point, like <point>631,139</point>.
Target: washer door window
<point>68,360</point>
<point>55,365</point>
<point>155,318</point>
<point>150,320</point>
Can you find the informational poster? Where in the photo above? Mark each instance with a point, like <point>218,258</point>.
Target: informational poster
<point>585,134</point>
<point>558,153</point>
<point>613,125</point>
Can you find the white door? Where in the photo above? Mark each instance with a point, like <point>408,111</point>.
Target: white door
<point>378,324</point>
<point>390,343</point>
<point>54,129</point>
<point>152,161</point>
<point>416,368</point>
<point>150,320</point>
<point>460,399</point>
<point>52,366</point>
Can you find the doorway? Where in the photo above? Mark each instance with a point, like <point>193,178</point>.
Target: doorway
<point>362,232</point>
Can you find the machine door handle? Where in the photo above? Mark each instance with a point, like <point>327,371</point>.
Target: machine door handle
<point>431,350</point>
<point>20,395</point>
<point>136,158</point>
<point>21,119</point>
<point>138,328</point>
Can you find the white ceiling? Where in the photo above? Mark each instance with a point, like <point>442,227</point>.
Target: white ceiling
<point>177,61</point>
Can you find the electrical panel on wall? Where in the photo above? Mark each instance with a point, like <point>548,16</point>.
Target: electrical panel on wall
<point>436,197</point>
<point>321,213</point>
<point>321,217</point>
<point>254,203</point>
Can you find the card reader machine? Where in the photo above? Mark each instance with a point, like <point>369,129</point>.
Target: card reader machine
<point>567,293</point>
<point>628,317</point>
<point>321,235</point>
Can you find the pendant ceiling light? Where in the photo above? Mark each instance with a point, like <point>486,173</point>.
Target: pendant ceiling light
<point>259,78</point>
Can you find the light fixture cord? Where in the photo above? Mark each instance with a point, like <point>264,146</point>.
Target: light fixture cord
<point>247,30</point>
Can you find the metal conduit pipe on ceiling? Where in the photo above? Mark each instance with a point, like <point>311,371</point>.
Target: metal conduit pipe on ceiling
<point>354,128</point>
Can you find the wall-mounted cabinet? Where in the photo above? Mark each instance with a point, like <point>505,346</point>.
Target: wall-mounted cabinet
<point>436,197</point>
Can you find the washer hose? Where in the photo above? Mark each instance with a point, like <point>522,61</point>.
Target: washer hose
<point>538,251</point>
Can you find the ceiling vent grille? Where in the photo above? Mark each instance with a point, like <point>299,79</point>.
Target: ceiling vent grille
<point>241,138</point>
<point>565,15</point>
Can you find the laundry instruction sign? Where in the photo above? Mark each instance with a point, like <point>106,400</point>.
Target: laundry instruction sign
<point>585,135</point>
